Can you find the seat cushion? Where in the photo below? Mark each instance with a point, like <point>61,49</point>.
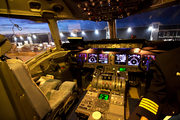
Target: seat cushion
<point>2,38</point>
<point>49,85</point>
<point>59,96</point>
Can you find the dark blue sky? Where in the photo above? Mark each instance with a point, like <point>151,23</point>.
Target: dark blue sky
<point>166,16</point>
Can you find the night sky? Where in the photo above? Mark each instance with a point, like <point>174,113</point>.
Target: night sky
<point>166,16</point>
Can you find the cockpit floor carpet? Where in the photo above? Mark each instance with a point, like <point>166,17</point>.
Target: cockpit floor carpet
<point>71,115</point>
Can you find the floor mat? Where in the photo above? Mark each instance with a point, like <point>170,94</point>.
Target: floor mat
<point>71,115</point>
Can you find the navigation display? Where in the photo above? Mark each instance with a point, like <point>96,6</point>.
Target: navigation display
<point>148,58</point>
<point>120,59</point>
<point>92,58</point>
<point>153,57</point>
<point>83,55</point>
<point>134,59</point>
<point>103,96</point>
<point>103,58</point>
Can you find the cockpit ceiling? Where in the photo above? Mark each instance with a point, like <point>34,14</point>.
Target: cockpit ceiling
<point>95,10</point>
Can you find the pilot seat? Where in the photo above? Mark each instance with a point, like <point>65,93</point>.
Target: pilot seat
<point>22,99</point>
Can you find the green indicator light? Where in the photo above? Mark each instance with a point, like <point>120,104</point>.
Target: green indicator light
<point>122,69</point>
<point>103,96</point>
<point>99,67</point>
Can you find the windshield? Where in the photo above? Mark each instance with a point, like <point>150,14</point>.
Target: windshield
<point>161,24</point>
<point>31,38</point>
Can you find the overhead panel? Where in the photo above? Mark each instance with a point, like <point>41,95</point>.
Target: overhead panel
<point>38,8</point>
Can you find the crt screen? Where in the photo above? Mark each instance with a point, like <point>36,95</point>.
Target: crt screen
<point>92,58</point>
<point>134,59</point>
<point>83,55</point>
<point>120,59</point>
<point>103,58</point>
<point>148,57</point>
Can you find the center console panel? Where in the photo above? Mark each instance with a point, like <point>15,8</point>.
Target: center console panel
<point>106,96</point>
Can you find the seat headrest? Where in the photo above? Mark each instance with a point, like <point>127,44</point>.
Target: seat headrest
<point>5,45</point>
<point>2,38</point>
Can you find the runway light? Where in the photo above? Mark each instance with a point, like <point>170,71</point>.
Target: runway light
<point>72,34</point>
<point>96,31</point>
<point>150,28</point>
<point>129,29</point>
<point>61,34</point>
<point>29,38</point>
<point>83,33</point>
<point>15,38</point>
<point>34,36</point>
<point>21,38</point>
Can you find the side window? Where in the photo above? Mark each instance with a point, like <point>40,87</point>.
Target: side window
<point>28,40</point>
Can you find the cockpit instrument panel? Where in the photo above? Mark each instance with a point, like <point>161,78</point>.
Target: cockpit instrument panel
<point>134,59</point>
<point>83,55</point>
<point>103,58</point>
<point>92,58</point>
<point>120,59</point>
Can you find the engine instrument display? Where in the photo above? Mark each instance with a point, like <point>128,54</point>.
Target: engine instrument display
<point>103,96</point>
<point>134,59</point>
<point>92,58</point>
<point>83,55</point>
<point>120,59</point>
<point>103,58</point>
